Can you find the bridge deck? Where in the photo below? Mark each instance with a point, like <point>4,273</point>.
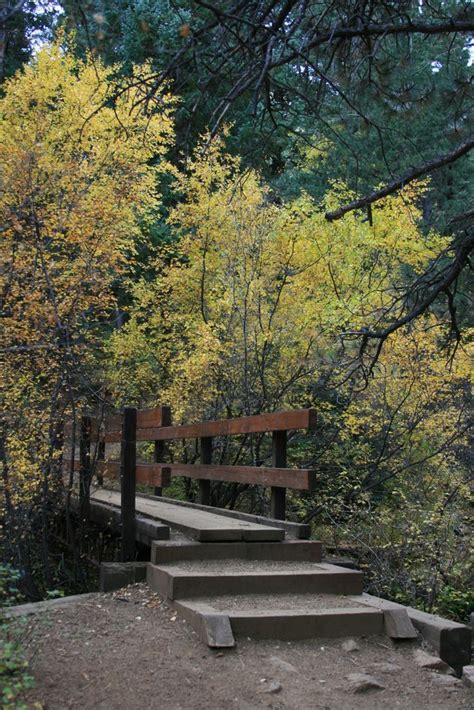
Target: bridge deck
<point>198,524</point>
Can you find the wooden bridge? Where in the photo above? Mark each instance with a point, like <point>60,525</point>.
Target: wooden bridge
<point>154,425</point>
<point>230,573</point>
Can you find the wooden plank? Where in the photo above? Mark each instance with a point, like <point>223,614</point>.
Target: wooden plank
<point>298,479</point>
<point>206,526</point>
<point>153,475</point>
<point>398,624</point>
<point>257,424</point>
<point>149,474</point>
<point>204,497</point>
<point>278,494</point>
<point>159,446</point>
<point>158,455</point>
<point>128,460</point>
<point>109,469</point>
<point>114,437</point>
<point>155,417</point>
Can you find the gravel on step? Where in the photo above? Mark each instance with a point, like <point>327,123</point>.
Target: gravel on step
<point>249,602</point>
<point>226,566</point>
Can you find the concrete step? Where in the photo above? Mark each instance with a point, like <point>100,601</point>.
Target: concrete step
<point>237,577</point>
<point>291,550</point>
<point>306,617</point>
<point>293,624</point>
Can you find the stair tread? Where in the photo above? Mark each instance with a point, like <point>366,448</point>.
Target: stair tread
<point>310,613</point>
<point>278,604</point>
<point>238,567</point>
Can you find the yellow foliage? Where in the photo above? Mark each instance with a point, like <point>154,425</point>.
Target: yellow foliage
<point>249,307</point>
<point>246,316</point>
<point>76,188</point>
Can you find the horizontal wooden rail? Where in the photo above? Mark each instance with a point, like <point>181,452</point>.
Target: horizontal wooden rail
<point>112,437</point>
<point>146,419</point>
<point>299,479</point>
<point>256,424</point>
<point>150,429</point>
<point>149,474</point>
<point>159,416</point>
<point>132,426</point>
<point>159,474</point>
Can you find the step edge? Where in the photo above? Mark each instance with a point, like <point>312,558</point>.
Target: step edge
<point>251,575</point>
<point>298,613</point>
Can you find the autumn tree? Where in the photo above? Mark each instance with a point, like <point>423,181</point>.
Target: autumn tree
<point>76,190</point>
<point>386,84</point>
<point>252,310</point>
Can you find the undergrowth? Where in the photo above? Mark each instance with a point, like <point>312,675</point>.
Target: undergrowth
<point>15,678</point>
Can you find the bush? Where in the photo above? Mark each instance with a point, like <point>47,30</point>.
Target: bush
<point>14,676</point>
<point>455,603</point>
<point>9,578</point>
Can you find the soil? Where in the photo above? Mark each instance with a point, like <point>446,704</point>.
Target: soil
<point>128,650</point>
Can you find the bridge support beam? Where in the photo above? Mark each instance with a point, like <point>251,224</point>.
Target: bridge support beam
<point>204,497</point>
<point>158,454</point>
<point>278,495</point>
<point>128,460</point>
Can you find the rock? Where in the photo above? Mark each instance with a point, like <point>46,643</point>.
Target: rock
<point>468,676</point>
<point>350,645</point>
<point>385,667</point>
<point>273,688</point>
<point>425,660</point>
<point>446,681</point>
<point>361,682</point>
<point>283,665</point>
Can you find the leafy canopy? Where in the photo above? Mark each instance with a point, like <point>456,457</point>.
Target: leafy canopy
<point>77,186</point>
<point>255,295</point>
<point>246,315</point>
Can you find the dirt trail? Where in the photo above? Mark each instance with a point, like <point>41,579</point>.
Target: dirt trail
<point>129,650</point>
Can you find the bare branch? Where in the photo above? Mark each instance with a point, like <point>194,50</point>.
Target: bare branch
<point>7,12</point>
<point>462,249</point>
<point>400,182</point>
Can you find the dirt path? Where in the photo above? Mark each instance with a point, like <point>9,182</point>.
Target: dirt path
<point>128,650</point>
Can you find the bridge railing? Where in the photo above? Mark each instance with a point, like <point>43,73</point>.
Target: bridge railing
<point>154,425</point>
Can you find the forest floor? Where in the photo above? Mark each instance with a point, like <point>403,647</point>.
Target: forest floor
<point>128,650</point>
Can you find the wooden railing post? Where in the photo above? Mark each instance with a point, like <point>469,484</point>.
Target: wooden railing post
<point>278,495</point>
<point>160,445</point>
<point>204,496</point>
<point>128,461</point>
<point>84,464</point>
